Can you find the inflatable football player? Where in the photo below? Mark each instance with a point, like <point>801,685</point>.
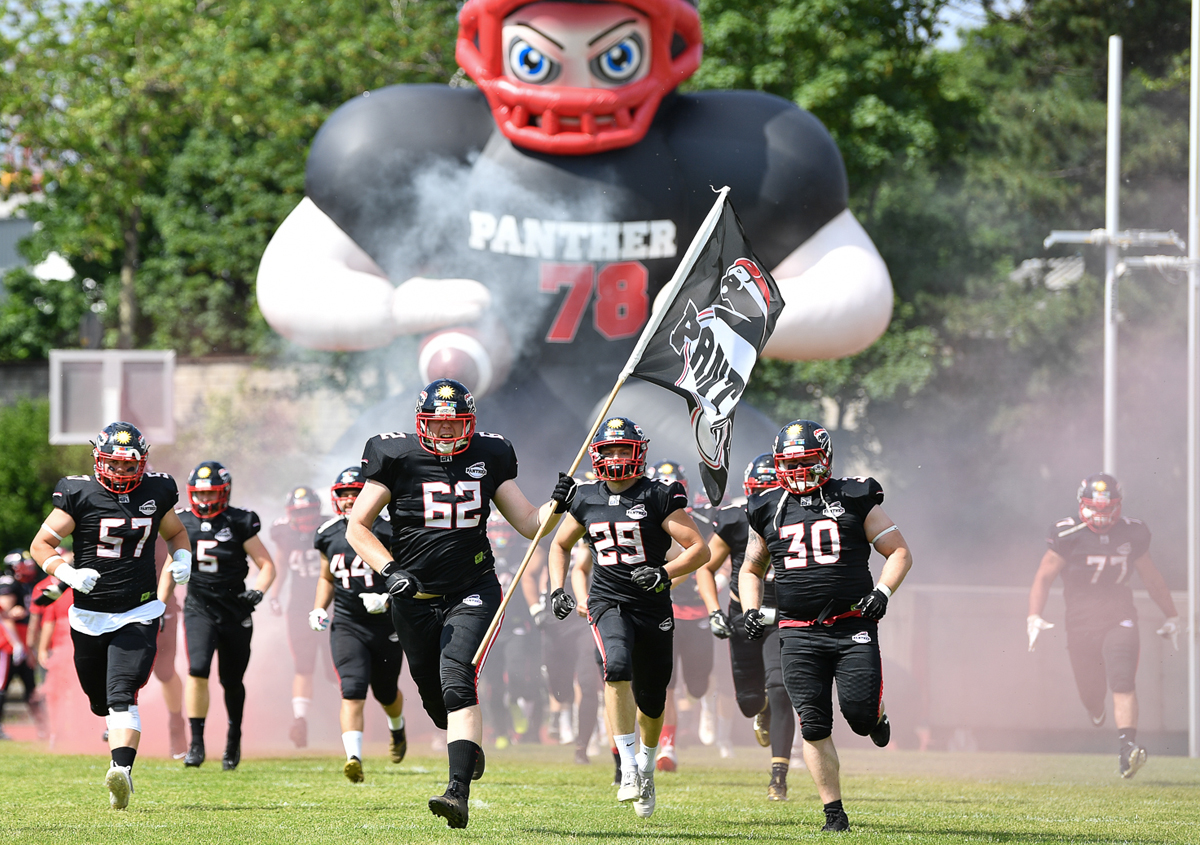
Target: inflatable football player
<point>523,228</point>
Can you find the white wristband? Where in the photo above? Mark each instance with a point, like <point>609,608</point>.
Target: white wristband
<point>885,589</point>
<point>46,562</point>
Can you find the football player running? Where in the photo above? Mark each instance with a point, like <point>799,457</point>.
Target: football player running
<point>218,608</point>
<point>757,670</point>
<point>362,641</point>
<point>629,522</point>
<point>817,532</point>
<point>1092,554</point>
<point>439,485</point>
<point>113,517</point>
<point>300,567</point>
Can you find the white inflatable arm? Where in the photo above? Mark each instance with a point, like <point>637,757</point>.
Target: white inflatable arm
<point>319,289</point>
<point>838,294</point>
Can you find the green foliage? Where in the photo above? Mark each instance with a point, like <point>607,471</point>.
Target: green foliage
<point>29,469</point>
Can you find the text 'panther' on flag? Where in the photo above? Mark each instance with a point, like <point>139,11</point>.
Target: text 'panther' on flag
<point>702,344</point>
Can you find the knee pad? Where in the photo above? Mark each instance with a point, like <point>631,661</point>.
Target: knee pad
<point>815,733</point>
<point>618,666</point>
<point>861,718</point>
<point>122,716</point>
<point>354,689</point>
<point>751,702</point>
<point>458,686</point>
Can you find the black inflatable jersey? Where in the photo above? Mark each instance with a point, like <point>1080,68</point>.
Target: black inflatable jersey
<point>819,547</point>
<point>440,505</point>
<point>577,246</point>
<point>295,555</point>
<point>624,531</point>
<point>114,535</point>
<point>351,575</point>
<point>219,564</point>
<point>1099,566</point>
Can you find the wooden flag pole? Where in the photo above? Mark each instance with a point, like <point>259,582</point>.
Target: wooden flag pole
<point>676,284</point>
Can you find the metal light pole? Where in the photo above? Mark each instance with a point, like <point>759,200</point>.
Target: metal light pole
<point>1112,205</point>
<point>1193,393</point>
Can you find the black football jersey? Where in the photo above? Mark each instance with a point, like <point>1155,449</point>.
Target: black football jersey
<point>219,562</point>
<point>297,560</point>
<point>624,531</point>
<point>114,535</point>
<point>819,547</point>
<point>731,524</point>
<point>440,505</point>
<point>351,574</point>
<point>1099,566</point>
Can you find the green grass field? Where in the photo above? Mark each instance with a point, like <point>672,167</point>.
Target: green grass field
<point>531,795</point>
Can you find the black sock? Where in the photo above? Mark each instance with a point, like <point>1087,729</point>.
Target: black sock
<point>1127,736</point>
<point>123,756</point>
<point>197,727</point>
<point>779,770</point>
<point>833,806</point>
<point>463,755</point>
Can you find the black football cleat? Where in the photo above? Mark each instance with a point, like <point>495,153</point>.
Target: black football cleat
<point>195,754</point>
<point>881,734</point>
<point>1130,759</point>
<point>479,765</point>
<point>233,754</point>
<point>836,820</point>
<point>451,805</point>
<point>398,745</point>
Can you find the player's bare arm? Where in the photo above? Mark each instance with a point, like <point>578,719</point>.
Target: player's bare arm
<point>373,499</point>
<point>706,582</point>
<point>325,586</point>
<point>258,553</point>
<point>581,574</point>
<point>754,567</point>
<point>694,551</point>
<point>55,527</point>
<point>521,513</point>
<point>1155,585</point>
<point>889,542</point>
<point>569,533</point>
<point>1049,569</point>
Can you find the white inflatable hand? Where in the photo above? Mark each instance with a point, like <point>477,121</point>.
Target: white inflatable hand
<point>422,305</point>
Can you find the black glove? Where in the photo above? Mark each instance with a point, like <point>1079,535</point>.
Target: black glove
<point>400,584</point>
<point>873,605</point>
<point>563,603</point>
<point>564,493</point>
<point>251,597</point>
<point>752,619</point>
<point>651,578</point>
<point>718,623</point>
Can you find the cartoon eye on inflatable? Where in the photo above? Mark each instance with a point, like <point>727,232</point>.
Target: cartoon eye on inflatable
<point>529,64</point>
<point>619,62</point>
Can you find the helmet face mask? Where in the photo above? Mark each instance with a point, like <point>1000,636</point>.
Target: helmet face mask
<point>533,84</point>
<point>1099,499</point>
<point>303,509</point>
<point>760,474</point>
<point>618,450</point>
<point>345,490</point>
<point>803,456</point>
<point>445,417</point>
<point>208,487</point>
<point>119,454</point>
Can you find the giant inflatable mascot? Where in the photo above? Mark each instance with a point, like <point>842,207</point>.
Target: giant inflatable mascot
<point>523,228</point>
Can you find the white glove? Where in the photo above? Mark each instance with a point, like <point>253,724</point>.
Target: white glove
<point>1170,631</point>
<point>1034,625</point>
<point>181,566</point>
<point>374,602</point>
<point>18,652</point>
<point>79,580</point>
<point>318,619</point>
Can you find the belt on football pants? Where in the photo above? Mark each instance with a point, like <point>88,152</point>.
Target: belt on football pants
<point>823,618</point>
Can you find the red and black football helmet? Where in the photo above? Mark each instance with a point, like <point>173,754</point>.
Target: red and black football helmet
<point>120,441</point>
<point>345,490</point>
<point>21,564</point>
<point>578,121</point>
<point>616,431</point>
<point>209,475</point>
<point>1099,498</point>
<point>760,474</point>
<point>445,399</point>
<point>303,509</point>
<point>803,456</point>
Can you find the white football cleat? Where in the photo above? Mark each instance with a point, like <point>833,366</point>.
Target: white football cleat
<point>644,805</point>
<point>631,788</point>
<point>119,781</point>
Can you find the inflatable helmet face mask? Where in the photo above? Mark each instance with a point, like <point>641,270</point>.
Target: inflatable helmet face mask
<point>577,78</point>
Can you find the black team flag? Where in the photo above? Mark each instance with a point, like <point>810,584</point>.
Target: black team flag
<point>720,310</point>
